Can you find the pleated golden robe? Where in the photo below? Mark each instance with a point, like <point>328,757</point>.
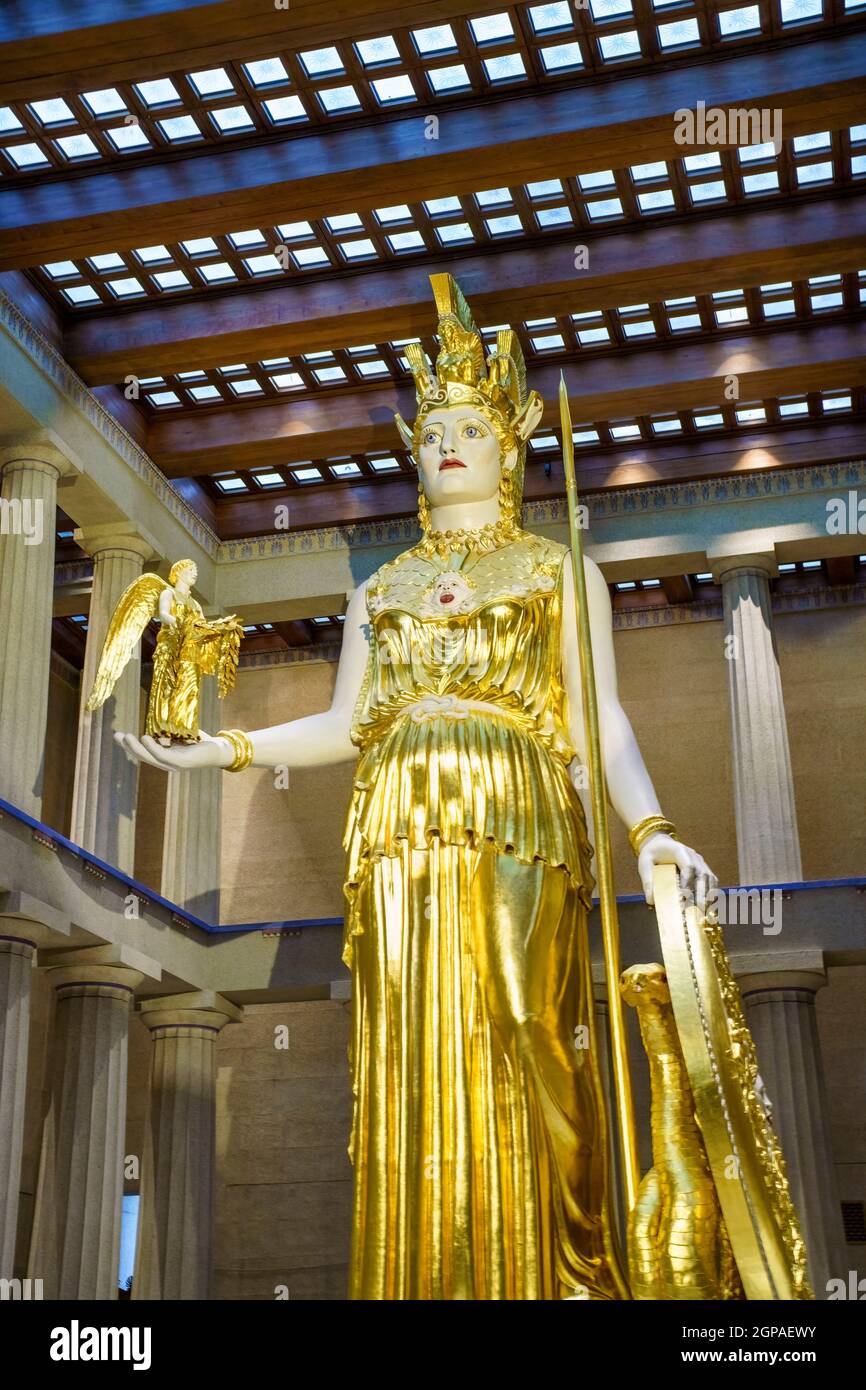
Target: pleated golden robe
<point>479,1139</point>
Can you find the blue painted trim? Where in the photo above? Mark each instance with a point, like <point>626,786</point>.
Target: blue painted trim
<point>301,923</point>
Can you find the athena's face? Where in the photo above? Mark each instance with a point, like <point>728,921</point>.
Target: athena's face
<point>459,456</point>
<point>187,577</point>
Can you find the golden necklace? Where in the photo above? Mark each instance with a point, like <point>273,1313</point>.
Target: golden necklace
<point>474,542</point>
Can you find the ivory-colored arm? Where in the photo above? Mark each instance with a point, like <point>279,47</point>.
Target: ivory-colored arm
<point>629,785</point>
<point>313,741</point>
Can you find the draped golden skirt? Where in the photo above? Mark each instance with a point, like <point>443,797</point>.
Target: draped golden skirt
<point>479,1139</point>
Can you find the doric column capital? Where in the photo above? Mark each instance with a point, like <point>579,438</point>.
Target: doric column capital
<point>25,918</point>
<point>37,456</point>
<point>201,1009</point>
<point>115,538</point>
<point>724,564</point>
<point>117,967</point>
<point>779,971</point>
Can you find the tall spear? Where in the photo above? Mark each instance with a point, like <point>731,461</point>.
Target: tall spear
<point>598,793</point>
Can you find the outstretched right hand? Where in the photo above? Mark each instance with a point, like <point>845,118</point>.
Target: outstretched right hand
<point>208,752</point>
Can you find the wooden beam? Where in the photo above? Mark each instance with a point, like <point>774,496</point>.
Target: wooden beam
<point>64,46</point>
<point>514,140</point>
<point>651,263</point>
<point>678,588</point>
<point>841,569</point>
<point>750,452</point>
<point>644,381</point>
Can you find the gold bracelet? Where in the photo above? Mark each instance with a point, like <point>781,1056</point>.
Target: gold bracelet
<point>241,746</point>
<point>650,825</point>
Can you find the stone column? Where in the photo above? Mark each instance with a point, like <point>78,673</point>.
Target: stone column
<point>779,1003</point>
<point>24,924</point>
<point>193,814</point>
<point>16,966</point>
<point>768,845</point>
<point>175,1234</point>
<point>28,513</point>
<point>76,1230</point>
<point>106,782</point>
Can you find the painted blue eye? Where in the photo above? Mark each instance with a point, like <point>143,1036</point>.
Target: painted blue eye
<point>472,431</point>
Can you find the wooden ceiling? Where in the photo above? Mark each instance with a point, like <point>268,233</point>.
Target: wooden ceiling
<point>231,212</point>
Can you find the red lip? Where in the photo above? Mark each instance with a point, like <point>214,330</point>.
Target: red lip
<point>451,463</point>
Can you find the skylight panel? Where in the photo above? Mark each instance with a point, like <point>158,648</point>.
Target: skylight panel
<point>152,255</point>
<point>560,57</point>
<point>78,146</point>
<point>601,178</point>
<point>205,393</point>
<point>199,246</point>
<point>492,197</point>
<point>585,434</point>
<point>708,419</point>
<point>702,163</point>
<point>231,119</point>
<point>604,207</point>
<point>282,109</point>
<point>819,140</point>
<point>109,260</point>
<point>767,182</point>
<point>711,191</point>
<point>60,270</point>
<point>52,112</point>
<point>406,241</point>
<point>627,429</point>
<point>287,381</point>
<point>546,188</point>
<point>107,101</point>
<point>591,337</point>
<point>745,20</point>
<point>231,484</point>
<point>680,33</point>
<point>554,217</point>
<point>266,264</point>
<point>399,212</point>
<point>372,367</point>
<point>171,280</point>
<point>349,469</point>
<point>198,375</point>
<point>438,38</point>
<point>212,82</point>
<point>328,376</point>
<point>548,342</point>
<point>778,308</point>
<point>358,250</point>
<point>294,231</point>
<point>666,426</point>
<point>29,156</point>
<point>504,226</point>
<point>306,475</point>
<point>539,443</point>
<point>269,479</point>
<point>246,386</point>
<point>344,222</point>
<point>738,313</point>
<point>81,294</point>
<point>266,72</point>
<point>450,79</point>
<point>684,323</point>
<point>127,137</point>
<point>178,128</point>
<point>491,28</point>
<point>374,51</point>
<point>750,415</point>
<point>163,399</point>
<point>546,18</point>
<point>835,401</point>
<point>387,464</point>
<point>439,207</point>
<point>339,99</point>
<point>639,328</point>
<point>644,173</point>
<point>752,154</point>
<point>310,257</point>
<point>626,44</point>
<point>453,232</point>
<point>252,237</point>
<point>391,89</point>
<point>505,68</point>
<point>791,409</point>
<point>9,122</point>
<point>797,11</point>
<point>609,9</point>
<point>162,92</point>
<point>814,173</point>
<point>217,272</point>
<point>658,200</point>
<point>321,62</point>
